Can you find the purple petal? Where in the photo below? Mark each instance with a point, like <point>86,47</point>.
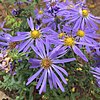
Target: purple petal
<point>52,53</point>
<point>78,52</point>
<point>53,79</point>
<point>58,82</point>
<point>83,24</point>
<point>87,44</point>
<point>6,29</point>
<point>24,44</point>
<point>34,76</point>
<point>60,74</point>
<point>40,46</point>
<point>2,25</point>
<point>33,66</point>
<point>63,60</point>
<point>50,79</point>
<point>73,20</point>
<point>77,24</point>
<point>28,46</point>
<point>95,19</point>
<point>87,22</point>
<point>93,24</point>
<point>35,62</point>
<point>19,38</point>
<point>61,69</point>
<point>22,33</point>
<point>36,51</point>
<point>44,83</point>
<point>40,80</point>
<point>3,44</point>
<point>30,23</point>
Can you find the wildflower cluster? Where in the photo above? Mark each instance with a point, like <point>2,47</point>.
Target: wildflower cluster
<point>57,30</point>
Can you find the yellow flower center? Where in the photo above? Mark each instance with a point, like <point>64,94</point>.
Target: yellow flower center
<point>40,12</point>
<point>85,13</point>
<point>35,34</point>
<point>80,33</point>
<point>68,41</point>
<point>46,63</point>
<point>61,35</point>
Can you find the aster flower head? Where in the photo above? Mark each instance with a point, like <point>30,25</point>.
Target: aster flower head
<point>39,13</point>
<point>81,17</point>
<point>72,42</point>
<point>87,36</point>
<point>48,63</point>
<point>27,39</point>
<point>76,45</point>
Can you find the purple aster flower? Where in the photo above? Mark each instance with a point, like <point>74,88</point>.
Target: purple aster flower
<point>39,13</point>
<point>88,36</point>
<point>54,36</point>
<point>48,62</point>
<point>96,73</point>
<point>71,42</point>
<point>82,18</point>
<point>27,39</point>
